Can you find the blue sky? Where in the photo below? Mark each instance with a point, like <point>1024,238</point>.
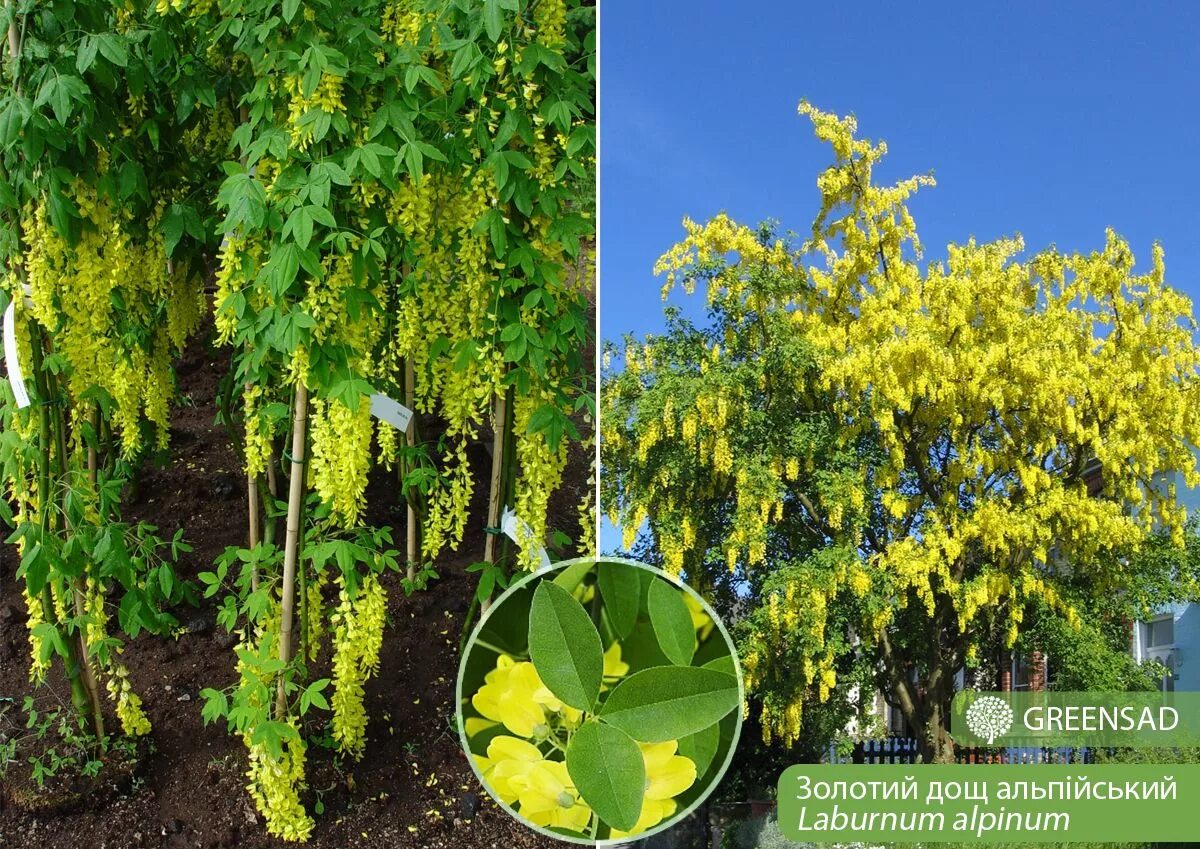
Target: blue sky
<point>1054,120</point>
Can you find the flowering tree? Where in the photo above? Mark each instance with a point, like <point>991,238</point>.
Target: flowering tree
<point>103,150</point>
<point>404,220</point>
<point>895,454</point>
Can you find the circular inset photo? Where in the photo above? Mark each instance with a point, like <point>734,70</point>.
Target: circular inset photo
<point>599,700</point>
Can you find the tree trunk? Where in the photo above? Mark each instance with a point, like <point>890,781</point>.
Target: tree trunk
<point>494,491</point>
<point>935,744</point>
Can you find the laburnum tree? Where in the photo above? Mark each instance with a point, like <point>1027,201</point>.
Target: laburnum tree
<point>890,458</point>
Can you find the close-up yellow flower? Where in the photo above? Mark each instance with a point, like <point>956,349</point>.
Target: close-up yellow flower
<point>548,797</point>
<point>701,621</point>
<point>573,760</point>
<point>506,765</point>
<point>614,667</point>
<point>511,696</point>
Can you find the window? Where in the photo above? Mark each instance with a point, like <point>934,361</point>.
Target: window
<point>1159,644</point>
<point>1030,673</point>
<point>1160,633</point>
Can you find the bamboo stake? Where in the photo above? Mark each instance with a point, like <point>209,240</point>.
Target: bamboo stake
<point>499,417</point>
<point>410,439</point>
<point>292,539</point>
<point>252,502</point>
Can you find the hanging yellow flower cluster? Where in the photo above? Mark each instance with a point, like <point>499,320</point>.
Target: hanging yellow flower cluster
<point>275,785</point>
<point>889,438</point>
<point>358,636</point>
<point>93,298</point>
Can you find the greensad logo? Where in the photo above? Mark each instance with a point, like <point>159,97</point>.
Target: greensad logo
<point>989,717</point>
<point>1075,719</point>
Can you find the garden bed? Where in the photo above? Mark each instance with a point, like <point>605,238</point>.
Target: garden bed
<point>413,787</point>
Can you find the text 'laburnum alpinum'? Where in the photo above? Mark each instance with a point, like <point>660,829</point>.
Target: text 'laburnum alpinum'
<point>896,455</point>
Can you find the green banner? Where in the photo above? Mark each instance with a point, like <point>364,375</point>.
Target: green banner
<point>1075,719</point>
<point>978,803</point>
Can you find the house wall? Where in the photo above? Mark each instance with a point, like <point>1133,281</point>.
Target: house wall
<point>1186,616</point>
<point>1187,647</point>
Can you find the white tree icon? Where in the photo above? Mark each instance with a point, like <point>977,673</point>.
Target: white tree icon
<point>989,717</point>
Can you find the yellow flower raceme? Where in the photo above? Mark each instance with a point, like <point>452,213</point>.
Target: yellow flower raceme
<point>358,637</point>
<point>275,785</point>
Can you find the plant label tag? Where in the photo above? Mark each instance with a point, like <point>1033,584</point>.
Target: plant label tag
<point>518,530</point>
<point>392,412</point>
<point>12,361</point>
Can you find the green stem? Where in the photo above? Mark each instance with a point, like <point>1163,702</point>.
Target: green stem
<point>497,649</point>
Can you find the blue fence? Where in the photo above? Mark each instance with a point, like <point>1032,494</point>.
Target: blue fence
<point>903,750</point>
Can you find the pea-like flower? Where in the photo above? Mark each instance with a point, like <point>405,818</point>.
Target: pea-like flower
<point>515,696</point>
<point>701,621</point>
<point>508,760</point>
<point>548,797</point>
<point>614,667</point>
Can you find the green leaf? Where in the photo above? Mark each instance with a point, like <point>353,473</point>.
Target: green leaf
<point>668,702</point>
<point>216,705</point>
<point>89,46</point>
<point>701,747</point>
<point>672,621</point>
<point>51,640</point>
<point>492,19</point>
<point>621,591</point>
<point>172,227</point>
<point>312,695</point>
<point>166,579</point>
<point>565,646</point>
<point>112,48</point>
<point>290,7</point>
<point>722,664</point>
<point>570,577</point>
<point>609,773</point>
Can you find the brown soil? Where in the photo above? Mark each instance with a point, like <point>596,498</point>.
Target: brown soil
<point>413,788</point>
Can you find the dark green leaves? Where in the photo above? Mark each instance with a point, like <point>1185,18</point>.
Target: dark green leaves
<point>669,702</point>
<point>609,773</point>
<point>565,646</point>
<point>60,92</point>
<point>492,19</point>
<point>244,198</point>
<point>672,622</point>
<point>621,590</point>
<point>701,747</point>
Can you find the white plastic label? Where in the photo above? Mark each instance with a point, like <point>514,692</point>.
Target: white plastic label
<point>518,530</point>
<point>392,412</point>
<point>12,360</point>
